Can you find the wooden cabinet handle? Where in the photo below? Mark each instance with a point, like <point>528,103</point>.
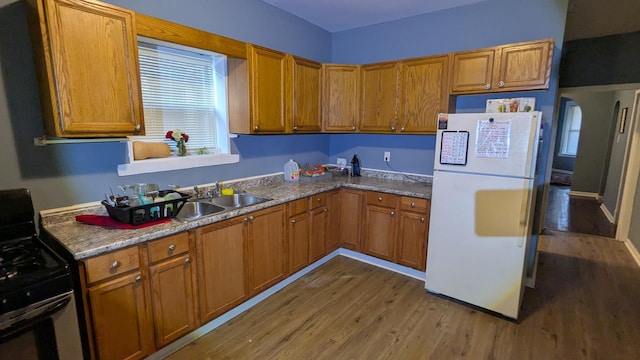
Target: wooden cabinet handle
<point>402,128</point>
<point>172,247</point>
<point>251,218</point>
<point>353,128</point>
<point>422,220</point>
<point>487,86</point>
<point>325,210</point>
<point>187,260</point>
<point>393,213</point>
<point>256,128</point>
<point>293,221</point>
<point>501,83</point>
<point>318,199</point>
<point>137,128</point>
<point>138,278</point>
<point>115,264</point>
<point>380,198</point>
<point>295,128</point>
<point>413,204</point>
<point>393,128</point>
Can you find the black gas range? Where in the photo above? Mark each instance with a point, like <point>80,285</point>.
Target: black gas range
<point>35,282</point>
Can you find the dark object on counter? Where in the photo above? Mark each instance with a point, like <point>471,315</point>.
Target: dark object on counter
<point>136,215</point>
<point>106,221</point>
<point>355,165</point>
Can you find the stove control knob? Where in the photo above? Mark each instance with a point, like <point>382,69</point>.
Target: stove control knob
<point>115,264</point>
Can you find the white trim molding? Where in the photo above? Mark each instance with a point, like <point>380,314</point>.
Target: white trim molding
<point>633,251</point>
<point>584,194</point>
<point>607,213</point>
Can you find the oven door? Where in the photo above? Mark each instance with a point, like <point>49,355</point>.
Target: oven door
<point>44,330</point>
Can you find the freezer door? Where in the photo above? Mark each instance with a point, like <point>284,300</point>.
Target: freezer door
<point>477,239</point>
<point>496,143</point>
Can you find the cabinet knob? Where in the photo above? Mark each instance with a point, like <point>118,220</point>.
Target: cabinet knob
<point>402,128</point>
<point>293,221</point>
<point>380,198</point>
<point>325,210</point>
<point>413,205</point>
<point>393,128</point>
<point>422,220</point>
<point>137,128</point>
<point>487,86</point>
<point>256,128</point>
<point>501,83</point>
<point>172,247</point>
<point>138,278</point>
<point>187,261</point>
<point>115,264</point>
<point>393,213</point>
<point>353,128</point>
<point>251,218</point>
<point>295,128</point>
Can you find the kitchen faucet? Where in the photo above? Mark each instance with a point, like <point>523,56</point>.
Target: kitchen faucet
<point>218,190</point>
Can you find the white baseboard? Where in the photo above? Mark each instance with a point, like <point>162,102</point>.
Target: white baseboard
<point>607,213</point>
<point>633,251</point>
<point>584,194</point>
<point>562,171</point>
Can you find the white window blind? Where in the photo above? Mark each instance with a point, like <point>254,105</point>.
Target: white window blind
<point>180,90</point>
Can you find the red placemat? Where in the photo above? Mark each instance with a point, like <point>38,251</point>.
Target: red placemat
<point>106,221</point>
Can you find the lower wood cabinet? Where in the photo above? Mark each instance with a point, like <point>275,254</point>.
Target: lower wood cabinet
<point>413,229</point>
<point>332,236</point>
<point>298,234</point>
<point>379,225</point>
<point>266,233</point>
<point>350,224</point>
<point>223,272</point>
<point>318,220</point>
<point>172,279</point>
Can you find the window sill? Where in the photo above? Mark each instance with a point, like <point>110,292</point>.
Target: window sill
<point>176,163</point>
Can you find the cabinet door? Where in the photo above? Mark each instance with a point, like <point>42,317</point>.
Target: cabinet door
<point>380,90</point>
<point>332,237</point>
<point>304,100</point>
<point>267,247</point>
<point>172,298</point>
<point>222,280</point>
<point>121,323</point>
<point>89,76</point>
<point>472,71</point>
<point>350,219</point>
<point>379,231</point>
<point>524,66</point>
<point>340,97</point>
<point>267,90</point>
<point>298,238</point>
<point>412,240</point>
<point>425,93</point>
<point>317,232</point>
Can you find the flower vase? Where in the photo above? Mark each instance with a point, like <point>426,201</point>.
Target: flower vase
<point>182,148</point>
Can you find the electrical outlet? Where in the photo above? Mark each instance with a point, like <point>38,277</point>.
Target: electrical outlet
<point>387,156</point>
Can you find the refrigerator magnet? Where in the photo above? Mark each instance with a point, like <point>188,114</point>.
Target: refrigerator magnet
<point>443,121</point>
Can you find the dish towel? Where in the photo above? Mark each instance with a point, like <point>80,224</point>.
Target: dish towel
<point>106,221</point>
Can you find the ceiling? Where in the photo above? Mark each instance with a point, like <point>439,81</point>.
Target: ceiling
<point>585,18</point>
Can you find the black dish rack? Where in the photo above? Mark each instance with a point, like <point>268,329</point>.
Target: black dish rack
<point>136,215</point>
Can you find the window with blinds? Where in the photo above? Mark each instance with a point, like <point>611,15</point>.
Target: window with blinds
<point>185,89</point>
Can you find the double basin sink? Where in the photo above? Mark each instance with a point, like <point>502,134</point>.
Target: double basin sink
<point>197,208</point>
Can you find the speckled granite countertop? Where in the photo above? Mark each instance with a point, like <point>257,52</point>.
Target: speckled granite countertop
<point>84,241</point>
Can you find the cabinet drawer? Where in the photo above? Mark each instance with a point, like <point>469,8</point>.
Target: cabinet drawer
<point>317,200</point>
<point>297,207</point>
<point>413,204</point>
<point>382,199</point>
<point>169,246</point>
<point>111,264</point>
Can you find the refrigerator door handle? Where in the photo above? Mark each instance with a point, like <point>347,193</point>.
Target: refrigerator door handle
<point>526,215</point>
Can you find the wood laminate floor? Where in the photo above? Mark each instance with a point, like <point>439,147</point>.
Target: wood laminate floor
<point>585,306</point>
<point>576,214</point>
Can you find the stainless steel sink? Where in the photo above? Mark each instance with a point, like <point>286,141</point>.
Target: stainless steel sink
<point>237,200</point>
<point>193,210</point>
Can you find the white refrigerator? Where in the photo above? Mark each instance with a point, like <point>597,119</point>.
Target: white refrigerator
<point>482,208</point>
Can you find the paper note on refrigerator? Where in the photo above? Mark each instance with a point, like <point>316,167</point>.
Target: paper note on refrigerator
<point>493,139</point>
<point>454,147</point>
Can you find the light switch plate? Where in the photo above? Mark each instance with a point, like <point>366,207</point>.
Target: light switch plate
<point>341,162</point>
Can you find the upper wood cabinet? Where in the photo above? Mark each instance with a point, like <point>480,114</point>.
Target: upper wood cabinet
<point>304,97</point>
<point>87,59</point>
<point>257,83</point>
<point>512,67</point>
<point>340,97</point>
<point>425,93</point>
<point>380,90</point>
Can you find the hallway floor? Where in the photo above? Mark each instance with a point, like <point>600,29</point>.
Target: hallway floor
<point>576,214</point>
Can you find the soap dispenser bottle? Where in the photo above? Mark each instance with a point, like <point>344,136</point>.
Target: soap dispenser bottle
<point>355,165</point>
